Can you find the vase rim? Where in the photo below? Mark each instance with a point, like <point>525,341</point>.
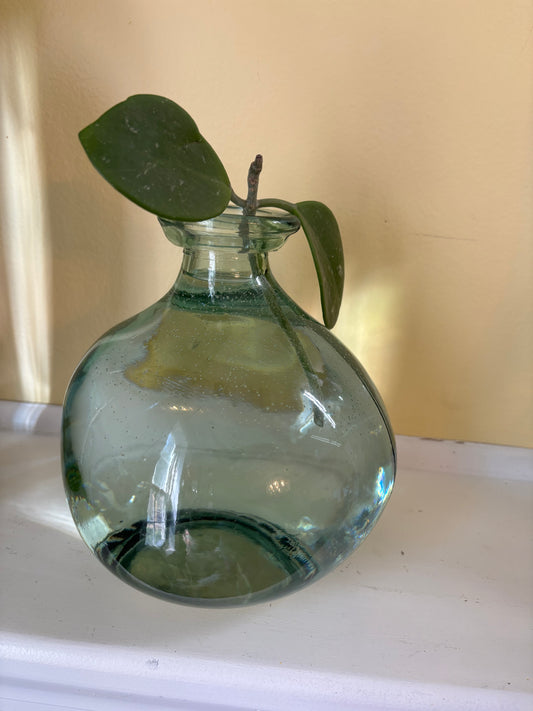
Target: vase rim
<point>266,231</point>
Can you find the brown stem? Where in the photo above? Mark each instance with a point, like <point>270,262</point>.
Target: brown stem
<point>253,184</point>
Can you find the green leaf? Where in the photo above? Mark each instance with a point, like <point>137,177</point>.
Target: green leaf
<point>151,151</point>
<point>323,236</point>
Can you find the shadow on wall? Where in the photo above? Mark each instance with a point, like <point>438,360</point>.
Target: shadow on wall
<point>396,316</point>
<point>87,234</point>
<point>62,238</point>
<point>376,319</point>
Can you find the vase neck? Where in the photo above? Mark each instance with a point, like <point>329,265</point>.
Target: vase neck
<point>230,251</point>
<point>217,270</point>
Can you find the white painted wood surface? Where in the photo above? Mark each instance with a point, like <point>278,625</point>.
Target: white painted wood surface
<point>432,613</point>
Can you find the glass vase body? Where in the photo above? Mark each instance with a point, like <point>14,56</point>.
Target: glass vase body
<point>222,447</point>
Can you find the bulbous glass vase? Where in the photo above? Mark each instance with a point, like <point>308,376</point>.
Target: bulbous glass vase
<point>222,447</point>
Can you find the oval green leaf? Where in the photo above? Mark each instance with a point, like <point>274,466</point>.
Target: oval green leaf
<point>151,151</point>
<point>323,235</point>
<point>324,238</point>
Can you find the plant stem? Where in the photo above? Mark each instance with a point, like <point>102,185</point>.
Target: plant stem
<point>253,183</point>
<point>312,378</point>
<point>237,200</point>
<point>250,206</point>
<point>276,202</point>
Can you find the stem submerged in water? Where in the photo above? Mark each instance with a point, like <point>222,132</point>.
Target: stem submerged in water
<point>249,208</point>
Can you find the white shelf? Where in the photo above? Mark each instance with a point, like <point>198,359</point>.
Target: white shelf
<point>432,613</point>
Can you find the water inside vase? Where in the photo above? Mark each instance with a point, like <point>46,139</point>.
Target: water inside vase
<point>196,467</point>
<point>210,557</point>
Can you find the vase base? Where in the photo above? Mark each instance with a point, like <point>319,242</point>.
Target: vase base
<point>208,558</point>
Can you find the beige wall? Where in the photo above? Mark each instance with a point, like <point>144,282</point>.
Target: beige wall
<point>410,118</point>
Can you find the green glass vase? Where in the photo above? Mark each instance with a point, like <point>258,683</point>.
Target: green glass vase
<point>222,447</point>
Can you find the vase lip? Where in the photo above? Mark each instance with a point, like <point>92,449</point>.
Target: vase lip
<point>265,231</point>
